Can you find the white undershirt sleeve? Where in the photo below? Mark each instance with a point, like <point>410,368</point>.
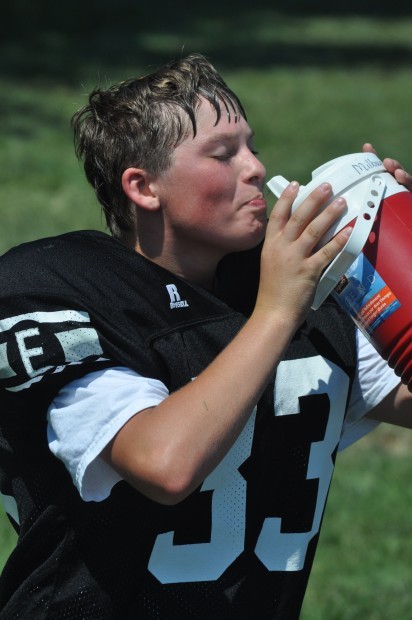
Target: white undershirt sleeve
<point>373,381</point>
<point>87,413</point>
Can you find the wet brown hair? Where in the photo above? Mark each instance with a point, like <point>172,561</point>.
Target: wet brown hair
<point>139,122</point>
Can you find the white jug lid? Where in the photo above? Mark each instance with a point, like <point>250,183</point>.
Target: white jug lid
<point>348,176</point>
<point>342,173</point>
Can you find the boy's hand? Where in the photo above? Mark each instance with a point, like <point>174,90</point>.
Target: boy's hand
<point>392,166</point>
<point>291,264</point>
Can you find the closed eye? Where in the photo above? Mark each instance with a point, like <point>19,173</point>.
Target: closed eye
<point>224,156</point>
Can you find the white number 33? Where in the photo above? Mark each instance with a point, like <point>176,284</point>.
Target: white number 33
<point>277,550</point>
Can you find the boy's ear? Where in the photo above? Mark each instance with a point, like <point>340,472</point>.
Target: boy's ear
<point>137,185</point>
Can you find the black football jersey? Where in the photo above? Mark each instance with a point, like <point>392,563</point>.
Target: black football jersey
<point>242,545</point>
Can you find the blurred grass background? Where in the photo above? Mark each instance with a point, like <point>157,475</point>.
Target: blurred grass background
<point>317,80</point>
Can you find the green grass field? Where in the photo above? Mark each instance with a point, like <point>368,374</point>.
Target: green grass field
<point>316,86</point>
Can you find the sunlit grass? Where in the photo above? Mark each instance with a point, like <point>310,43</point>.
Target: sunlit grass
<point>363,568</point>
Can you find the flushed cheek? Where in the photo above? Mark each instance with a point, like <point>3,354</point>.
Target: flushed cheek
<point>201,191</point>
<point>210,200</point>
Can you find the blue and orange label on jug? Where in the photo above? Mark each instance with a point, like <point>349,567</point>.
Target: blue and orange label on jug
<point>365,296</point>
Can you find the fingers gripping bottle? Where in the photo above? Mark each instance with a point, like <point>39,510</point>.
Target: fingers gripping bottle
<point>371,278</point>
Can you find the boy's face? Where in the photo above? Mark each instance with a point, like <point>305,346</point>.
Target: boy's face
<point>212,193</point>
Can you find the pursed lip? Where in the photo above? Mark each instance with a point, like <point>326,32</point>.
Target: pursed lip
<point>257,201</point>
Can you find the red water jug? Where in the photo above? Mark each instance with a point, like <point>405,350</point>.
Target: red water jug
<point>372,276</point>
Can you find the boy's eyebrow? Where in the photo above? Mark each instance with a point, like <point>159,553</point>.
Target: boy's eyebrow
<point>224,137</point>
